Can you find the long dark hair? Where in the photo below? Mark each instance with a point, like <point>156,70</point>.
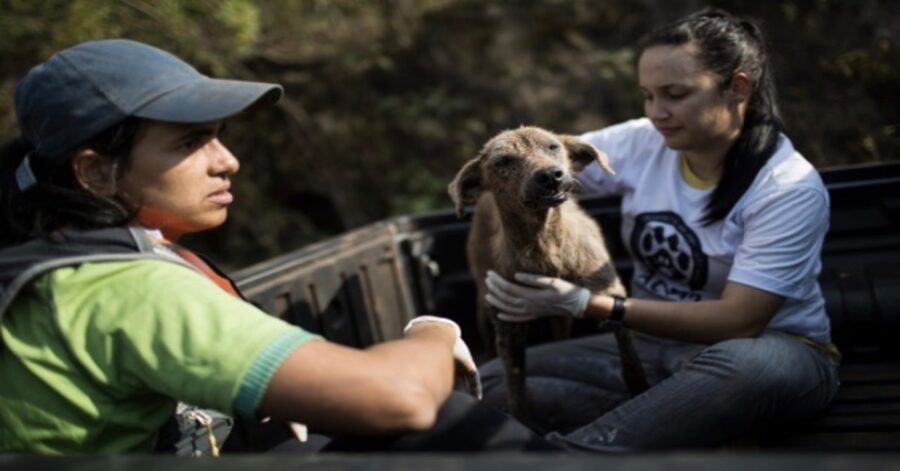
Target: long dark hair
<point>727,44</point>
<point>57,200</point>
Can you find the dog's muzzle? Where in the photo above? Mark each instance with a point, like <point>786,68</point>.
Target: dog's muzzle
<point>550,187</point>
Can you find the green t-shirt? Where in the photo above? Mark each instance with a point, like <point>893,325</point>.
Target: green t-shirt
<point>95,356</point>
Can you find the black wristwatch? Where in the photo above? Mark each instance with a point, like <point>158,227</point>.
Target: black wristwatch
<point>618,310</point>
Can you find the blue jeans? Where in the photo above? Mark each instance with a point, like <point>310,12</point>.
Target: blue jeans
<point>700,395</point>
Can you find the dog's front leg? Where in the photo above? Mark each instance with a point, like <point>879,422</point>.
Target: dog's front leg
<point>632,370</point>
<point>511,343</point>
<point>486,322</point>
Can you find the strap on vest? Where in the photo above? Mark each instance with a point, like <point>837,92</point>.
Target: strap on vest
<point>200,264</point>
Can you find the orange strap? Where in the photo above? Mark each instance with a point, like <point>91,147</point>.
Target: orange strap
<point>204,268</point>
<point>198,263</point>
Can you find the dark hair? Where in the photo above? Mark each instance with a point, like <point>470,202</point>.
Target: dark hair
<point>727,44</point>
<point>57,200</point>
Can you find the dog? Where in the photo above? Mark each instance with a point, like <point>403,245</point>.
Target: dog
<point>526,221</point>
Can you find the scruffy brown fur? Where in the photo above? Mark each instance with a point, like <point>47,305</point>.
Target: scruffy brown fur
<point>525,221</point>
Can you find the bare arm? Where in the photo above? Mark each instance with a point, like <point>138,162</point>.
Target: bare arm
<point>393,386</point>
<point>742,311</point>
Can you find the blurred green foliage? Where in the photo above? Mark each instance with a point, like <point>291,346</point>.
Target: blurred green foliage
<point>386,99</point>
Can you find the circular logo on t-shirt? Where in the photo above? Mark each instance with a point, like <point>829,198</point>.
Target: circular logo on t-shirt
<point>668,247</point>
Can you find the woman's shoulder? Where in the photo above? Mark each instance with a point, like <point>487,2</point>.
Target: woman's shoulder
<point>627,134</point>
<point>787,178</point>
<point>151,269</point>
<point>125,282</point>
<point>146,293</point>
<point>788,170</point>
<point>625,141</point>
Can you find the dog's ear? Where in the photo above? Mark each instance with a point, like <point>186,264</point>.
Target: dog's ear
<point>466,186</point>
<point>582,153</point>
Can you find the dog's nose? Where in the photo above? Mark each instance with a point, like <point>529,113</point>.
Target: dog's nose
<point>550,177</point>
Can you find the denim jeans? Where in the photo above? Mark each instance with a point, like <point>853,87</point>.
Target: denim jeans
<point>700,395</point>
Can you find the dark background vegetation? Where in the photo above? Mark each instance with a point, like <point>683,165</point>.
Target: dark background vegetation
<point>387,98</point>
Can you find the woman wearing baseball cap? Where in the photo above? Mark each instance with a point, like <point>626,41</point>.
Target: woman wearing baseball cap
<point>106,324</point>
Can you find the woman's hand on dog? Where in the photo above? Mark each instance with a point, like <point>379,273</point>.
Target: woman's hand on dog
<point>535,296</point>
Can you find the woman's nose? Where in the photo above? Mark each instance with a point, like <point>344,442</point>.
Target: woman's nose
<point>223,161</point>
<point>655,110</point>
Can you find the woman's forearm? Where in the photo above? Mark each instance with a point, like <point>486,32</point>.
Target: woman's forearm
<point>424,355</point>
<point>390,387</point>
<point>741,312</point>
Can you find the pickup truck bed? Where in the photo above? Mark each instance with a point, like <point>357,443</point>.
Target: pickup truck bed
<point>361,287</point>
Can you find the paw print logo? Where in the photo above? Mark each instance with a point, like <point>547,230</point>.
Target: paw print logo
<point>668,247</point>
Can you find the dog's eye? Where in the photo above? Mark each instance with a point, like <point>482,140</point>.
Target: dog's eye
<point>504,161</point>
<point>553,146</point>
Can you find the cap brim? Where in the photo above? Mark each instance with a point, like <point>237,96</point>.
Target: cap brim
<point>209,100</point>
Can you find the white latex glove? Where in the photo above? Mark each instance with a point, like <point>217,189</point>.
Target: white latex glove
<point>461,353</point>
<point>539,296</point>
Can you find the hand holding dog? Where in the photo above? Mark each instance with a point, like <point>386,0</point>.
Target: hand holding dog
<point>539,296</point>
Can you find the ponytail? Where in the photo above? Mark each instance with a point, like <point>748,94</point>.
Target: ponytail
<point>12,205</point>
<point>56,200</point>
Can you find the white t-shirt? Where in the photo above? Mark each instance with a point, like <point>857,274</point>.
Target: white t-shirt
<point>770,240</point>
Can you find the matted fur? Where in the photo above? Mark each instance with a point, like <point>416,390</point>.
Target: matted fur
<point>525,221</point>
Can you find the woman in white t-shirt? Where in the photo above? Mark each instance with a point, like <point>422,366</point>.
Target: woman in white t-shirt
<point>724,221</point>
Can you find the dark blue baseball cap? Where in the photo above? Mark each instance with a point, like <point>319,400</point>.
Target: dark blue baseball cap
<point>81,91</point>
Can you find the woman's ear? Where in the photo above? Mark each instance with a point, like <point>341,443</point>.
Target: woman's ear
<point>741,87</point>
<point>95,173</point>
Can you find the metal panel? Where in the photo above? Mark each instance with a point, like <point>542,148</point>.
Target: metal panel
<point>351,289</point>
